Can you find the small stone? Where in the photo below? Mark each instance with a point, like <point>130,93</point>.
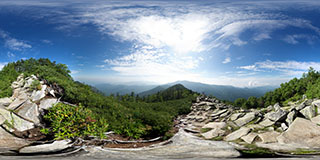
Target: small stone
<point>284,126</point>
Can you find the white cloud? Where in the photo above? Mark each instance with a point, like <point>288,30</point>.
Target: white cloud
<point>75,71</point>
<point>2,64</point>
<point>227,60</point>
<point>286,67</point>
<point>12,43</point>
<point>11,55</point>
<point>294,39</point>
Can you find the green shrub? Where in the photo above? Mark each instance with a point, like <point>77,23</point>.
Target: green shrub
<point>66,121</point>
<point>35,85</point>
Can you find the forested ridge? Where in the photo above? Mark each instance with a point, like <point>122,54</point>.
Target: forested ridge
<point>128,115</point>
<point>308,85</point>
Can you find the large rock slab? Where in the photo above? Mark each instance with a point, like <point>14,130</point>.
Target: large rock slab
<point>213,133</point>
<point>235,116</point>
<point>29,111</point>
<point>316,119</point>
<point>237,134</point>
<point>56,146</point>
<point>245,119</point>
<point>16,103</point>
<point>267,122</point>
<point>250,138</point>
<point>218,112</point>
<point>10,142</point>
<point>308,112</point>
<point>302,132</point>
<point>15,121</point>
<point>269,137</point>
<point>215,125</point>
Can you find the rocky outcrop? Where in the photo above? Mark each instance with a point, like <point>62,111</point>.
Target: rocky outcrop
<point>20,116</point>
<point>285,126</point>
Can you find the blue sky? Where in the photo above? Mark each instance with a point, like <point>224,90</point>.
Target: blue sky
<point>247,43</point>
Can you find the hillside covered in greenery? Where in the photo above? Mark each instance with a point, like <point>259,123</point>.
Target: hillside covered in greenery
<point>308,85</point>
<point>129,115</point>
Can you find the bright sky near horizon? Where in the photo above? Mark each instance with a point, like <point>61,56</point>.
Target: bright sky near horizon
<point>240,43</point>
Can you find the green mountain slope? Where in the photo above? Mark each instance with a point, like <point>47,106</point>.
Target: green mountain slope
<point>308,84</point>
<point>130,116</point>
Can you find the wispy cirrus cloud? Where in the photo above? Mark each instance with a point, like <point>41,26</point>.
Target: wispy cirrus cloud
<point>295,68</point>
<point>296,38</point>
<point>13,43</point>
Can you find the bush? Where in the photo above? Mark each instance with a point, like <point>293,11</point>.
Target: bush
<point>66,121</point>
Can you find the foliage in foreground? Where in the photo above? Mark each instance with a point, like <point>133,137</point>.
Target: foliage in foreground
<point>308,84</point>
<point>129,115</point>
<point>66,121</point>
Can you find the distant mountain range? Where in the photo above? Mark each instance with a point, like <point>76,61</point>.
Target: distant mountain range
<point>223,92</point>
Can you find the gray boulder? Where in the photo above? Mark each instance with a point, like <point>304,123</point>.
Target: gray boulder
<point>291,116</point>
<point>276,107</point>
<point>15,121</point>
<point>38,95</point>
<point>308,112</point>
<point>237,134</point>
<point>277,116</point>
<point>245,119</point>
<point>29,111</point>
<point>267,122</point>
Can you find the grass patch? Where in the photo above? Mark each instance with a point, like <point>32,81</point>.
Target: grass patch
<point>304,151</point>
<point>218,138</point>
<point>253,151</point>
<point>204,130</point>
